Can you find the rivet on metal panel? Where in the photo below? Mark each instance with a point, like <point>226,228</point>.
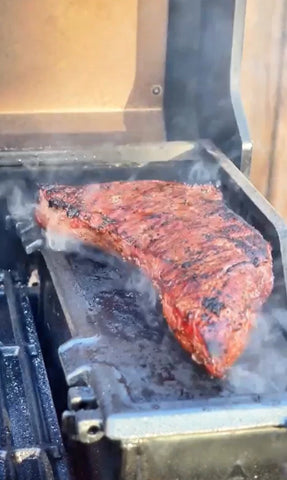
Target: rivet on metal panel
<point>156,90</point>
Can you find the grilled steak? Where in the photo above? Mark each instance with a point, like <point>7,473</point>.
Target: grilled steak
<point>212,270</point>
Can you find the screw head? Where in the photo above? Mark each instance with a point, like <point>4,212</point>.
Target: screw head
<point>156,90</point>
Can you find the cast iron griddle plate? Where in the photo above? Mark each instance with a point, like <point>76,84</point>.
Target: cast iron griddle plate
<point>127,342</point>
<point>132,337</point>
<point>123,307</point>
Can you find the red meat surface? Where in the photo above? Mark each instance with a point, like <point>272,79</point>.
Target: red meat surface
<point>212,270</point>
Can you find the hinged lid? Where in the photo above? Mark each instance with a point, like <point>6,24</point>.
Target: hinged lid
<point>74,67</point>
<point>85,73</point>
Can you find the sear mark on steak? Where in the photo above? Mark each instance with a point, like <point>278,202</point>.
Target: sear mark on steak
<point>213,304</point>
<point>211,269</point>
<point>72,212</point>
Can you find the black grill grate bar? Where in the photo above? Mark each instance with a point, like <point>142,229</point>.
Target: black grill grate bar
<point>31,445</point>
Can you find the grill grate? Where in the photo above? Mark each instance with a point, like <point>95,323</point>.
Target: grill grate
<point>31,445</point>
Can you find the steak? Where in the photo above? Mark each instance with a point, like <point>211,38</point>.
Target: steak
<point>212,270</point>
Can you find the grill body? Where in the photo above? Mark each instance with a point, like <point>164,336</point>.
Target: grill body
<point>151,81</point>
<point>97,334</point>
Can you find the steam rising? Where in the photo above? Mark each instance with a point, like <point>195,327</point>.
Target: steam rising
<point>20,204</point>
<point>148,299</point>
<point>201,172</point>
<point>60,243</point>
<point>262,369</point>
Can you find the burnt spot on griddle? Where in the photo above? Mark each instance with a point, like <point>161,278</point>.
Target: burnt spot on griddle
<point>213,304</point>
<point>165,375</point>
<point>147,393</point>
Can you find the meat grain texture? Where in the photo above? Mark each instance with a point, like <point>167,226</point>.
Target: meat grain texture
<point>212,270</point>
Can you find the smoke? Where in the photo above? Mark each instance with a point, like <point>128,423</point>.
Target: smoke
<point>147,299</point>
<point>202,172</point>
<point>20,203</point>
<point>61,243</point>
<point>262,369</point>
<point>138,281</point>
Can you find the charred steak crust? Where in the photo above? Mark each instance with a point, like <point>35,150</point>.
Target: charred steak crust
<point>212,270</point>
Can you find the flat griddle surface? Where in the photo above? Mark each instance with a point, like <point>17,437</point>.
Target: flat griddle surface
<point>120,342</point>
<point>130,349</point>
<point>124,311</point>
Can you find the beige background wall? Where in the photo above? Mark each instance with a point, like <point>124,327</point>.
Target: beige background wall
<point>48,83</point>
<point>264,91</point>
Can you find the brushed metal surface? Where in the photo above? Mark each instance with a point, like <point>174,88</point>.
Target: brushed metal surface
<point>67,66</point>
